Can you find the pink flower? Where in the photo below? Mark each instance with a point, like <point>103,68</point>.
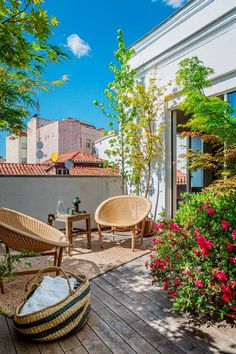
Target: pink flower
<point>224,224</point>
<point>206,206</point>
<point>229,246</point>
<point>234,234</point>
<point>210,211</point>
<point>233,308</point>
<point>176,279</point>
<point>174,226</point>
<point>159,226</point>
<point>187,271</point>
<point>154,240</point>
<point>199,283</point>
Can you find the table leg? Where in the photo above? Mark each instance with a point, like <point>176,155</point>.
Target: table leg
<point>69,235</point>
<point>88,228</point>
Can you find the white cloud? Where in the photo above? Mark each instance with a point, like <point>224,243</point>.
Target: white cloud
<point>77,45</point>
<point>174,3</point>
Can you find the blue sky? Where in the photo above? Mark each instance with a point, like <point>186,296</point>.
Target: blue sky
<point>88,30</point>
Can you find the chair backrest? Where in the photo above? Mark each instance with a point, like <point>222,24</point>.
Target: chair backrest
<point>122,211</point>
<point>16,227</point>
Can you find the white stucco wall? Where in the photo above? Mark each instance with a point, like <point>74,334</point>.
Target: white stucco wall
<point>203,28</point>
<point>37,196</point>
<point>101,145</point>
<point>16,149</point>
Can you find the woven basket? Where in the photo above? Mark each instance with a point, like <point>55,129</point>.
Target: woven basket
<point>63,318</point>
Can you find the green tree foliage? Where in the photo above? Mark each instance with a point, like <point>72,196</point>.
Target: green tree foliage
<point>119,107</point>
<point>144,136</point>
<point>25,52</point>
<point>210,117</point>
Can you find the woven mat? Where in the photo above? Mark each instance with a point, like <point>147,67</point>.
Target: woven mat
<point>82,261</point>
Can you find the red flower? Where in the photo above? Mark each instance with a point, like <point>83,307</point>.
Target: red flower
<point>154,240</point>
<point>229,246</point>
<point>166,286</point>
<point>233,308</point>
<point>199,283</point>
<point>232,260</point>
<point>173,294</point>
<point>234,234</point>
<point>220,275</point>
<point>226,298</point>
<point>232,283</point>
<point>187,271</point>
<point>224,224</point>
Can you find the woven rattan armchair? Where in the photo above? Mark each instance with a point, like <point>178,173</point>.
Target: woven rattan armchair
<point>124,212</point>
<point>21,232</point>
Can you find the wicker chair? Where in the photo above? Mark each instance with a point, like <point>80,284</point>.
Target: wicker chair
<point>20,232</point>
<point>123,212</point>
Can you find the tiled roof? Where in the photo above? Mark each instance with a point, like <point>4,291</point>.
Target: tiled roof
<point>23,169</point>
<point>92,171</point>
<point>78,157</point>
<point>44,169</point>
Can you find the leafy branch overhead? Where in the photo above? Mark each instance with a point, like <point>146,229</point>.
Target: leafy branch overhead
<point>25,52</point>
<point>210,117</point>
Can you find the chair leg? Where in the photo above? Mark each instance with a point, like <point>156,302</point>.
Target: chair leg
<point>2,287</point>
<point>56,257</point>
<point>100,236</point>
<point>133,238</point>
<point>142,230</point>
<point>59,259</point>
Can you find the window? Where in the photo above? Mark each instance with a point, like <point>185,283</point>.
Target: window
<point>182,179</point>
<point>23,145</point>
<point>24,160</point>
<point>88,143</point>
<point>232,101</point>
<point>61,171</point>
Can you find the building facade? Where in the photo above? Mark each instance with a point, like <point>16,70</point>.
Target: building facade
<point>202,28</point>
<point>45,137</point>
<point>59,136</point>
<point>16,148</point>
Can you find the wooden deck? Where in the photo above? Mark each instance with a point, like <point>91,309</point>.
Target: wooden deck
<point>129,316</point>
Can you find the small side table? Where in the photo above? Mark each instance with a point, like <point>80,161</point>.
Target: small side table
<point>68,220</point>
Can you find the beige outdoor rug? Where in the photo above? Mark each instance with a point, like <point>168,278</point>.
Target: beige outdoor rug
<point>82,261</point>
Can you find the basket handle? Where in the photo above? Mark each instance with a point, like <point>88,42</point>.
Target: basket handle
<point>37,276</point>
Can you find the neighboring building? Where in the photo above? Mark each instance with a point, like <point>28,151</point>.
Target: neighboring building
<point>16,148</point>
<point>202,28</point>
<point>101,145</point>
<point>55,136</point>
<point>60,136</point>
<point>82,164</point>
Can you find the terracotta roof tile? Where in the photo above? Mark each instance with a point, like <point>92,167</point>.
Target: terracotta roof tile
<point>44,169</point>
<point>78,156</point>
<point>22,169</point>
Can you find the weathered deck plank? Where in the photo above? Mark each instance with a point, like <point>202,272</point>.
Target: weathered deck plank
<point>129,316</point>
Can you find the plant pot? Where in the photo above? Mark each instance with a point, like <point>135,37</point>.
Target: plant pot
<point>148,228</point>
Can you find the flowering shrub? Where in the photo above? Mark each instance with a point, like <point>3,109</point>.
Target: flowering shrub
<point>194,256</point>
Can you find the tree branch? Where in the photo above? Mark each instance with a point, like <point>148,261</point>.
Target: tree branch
<point>15,15</point>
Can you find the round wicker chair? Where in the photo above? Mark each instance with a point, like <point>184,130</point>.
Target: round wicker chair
<point>126,211</point>
<point>21,232</point>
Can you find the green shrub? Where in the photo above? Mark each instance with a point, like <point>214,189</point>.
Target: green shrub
<point>194,256</point>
